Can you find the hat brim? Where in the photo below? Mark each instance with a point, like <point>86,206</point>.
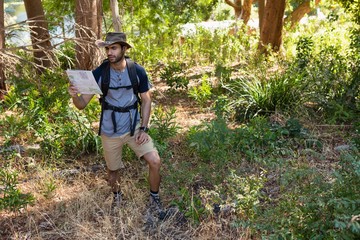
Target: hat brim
<point>101,43</point>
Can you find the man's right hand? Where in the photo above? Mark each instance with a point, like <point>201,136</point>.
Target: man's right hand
<point>73,91</point>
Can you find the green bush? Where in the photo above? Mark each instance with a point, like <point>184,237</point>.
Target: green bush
<point>44,115</point>
<point>259,96</point>
<point>173,75</point>
<point>163,127</point>
<point>201,93</point>
<point>242,194</point>
<point>11,197</point>
<point>316,206</point>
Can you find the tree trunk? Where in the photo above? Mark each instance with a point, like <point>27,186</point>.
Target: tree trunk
<point>271,32</point>
<point>88,29</point>
<point>261,9</point>
<point>237,5</point>
<point>2,46</point>
<point>246,11</point>
<point>115,15</point>
<point>242,10</point>
<point>299,13</point>
<point>39,34</point>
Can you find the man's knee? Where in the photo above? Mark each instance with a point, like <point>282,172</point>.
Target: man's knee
<point>153,159</point>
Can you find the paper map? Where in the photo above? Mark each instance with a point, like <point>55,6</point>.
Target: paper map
<point>84,81</point>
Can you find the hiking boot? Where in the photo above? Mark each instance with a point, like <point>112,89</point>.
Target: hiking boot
<point>155,206</point>
<point>117,199</point>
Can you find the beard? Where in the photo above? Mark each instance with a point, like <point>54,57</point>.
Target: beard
<point>118,58</point>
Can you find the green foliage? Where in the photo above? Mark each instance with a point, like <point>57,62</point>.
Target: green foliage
<point>222,73</point>
<point>258,141</point>
<point>316,208</point>
<point>173,75</point>
<point>242,194</point>
<point>202,93</point>
<point>190,204</point>
<point>11,197</point>
<point>304,51</point>
<point>254,96</point>
<point>222,107</point>
<point>43,111</point>
<point>49,188</point>
<point>163,126</point>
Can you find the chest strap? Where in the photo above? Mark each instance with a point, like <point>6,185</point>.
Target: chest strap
<point>107,106</point>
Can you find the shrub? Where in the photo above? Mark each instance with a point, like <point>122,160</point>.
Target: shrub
<point>173,75</point>
<point>11,197</point>
<point>202,93</point>
<point>254,96</point>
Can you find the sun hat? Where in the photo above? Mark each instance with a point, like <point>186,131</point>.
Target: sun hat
<point>113,37</point>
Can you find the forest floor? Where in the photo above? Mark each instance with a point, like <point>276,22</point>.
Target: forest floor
<point>74,201</point>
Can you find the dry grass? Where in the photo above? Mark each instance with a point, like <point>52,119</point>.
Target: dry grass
<point>80,208</point>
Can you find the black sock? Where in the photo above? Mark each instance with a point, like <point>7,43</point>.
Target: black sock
<point>154,194</point>
<point>117,193</point>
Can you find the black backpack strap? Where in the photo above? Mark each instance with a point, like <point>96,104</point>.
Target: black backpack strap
<point>105,82</point>
<point>135,85</point>
<point>133,75</point>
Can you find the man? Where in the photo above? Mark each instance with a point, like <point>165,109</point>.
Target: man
<point>120,122</point>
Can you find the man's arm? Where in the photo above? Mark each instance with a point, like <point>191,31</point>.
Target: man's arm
<point>145,108</point>
<point>80,101</point>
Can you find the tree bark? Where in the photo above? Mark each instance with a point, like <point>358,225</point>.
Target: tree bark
<point>39,34</point>
<point>246,11</point>
<point>88,29</point>
<point>271,32</point>
<point>299,13</point>
<point>242,10</point>
<point>2,46</point>
<point>261,9</point>
<point>115,16</point>
<point>237,5</point>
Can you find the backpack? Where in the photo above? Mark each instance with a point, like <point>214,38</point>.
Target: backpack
<point>103,71</point>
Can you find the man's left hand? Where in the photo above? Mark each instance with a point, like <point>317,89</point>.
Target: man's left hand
<point>141,137</point>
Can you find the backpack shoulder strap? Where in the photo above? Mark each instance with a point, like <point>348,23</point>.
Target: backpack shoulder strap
<point>103,72</point>
<point>133,75</point>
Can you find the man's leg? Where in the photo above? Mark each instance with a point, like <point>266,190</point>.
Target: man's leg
<point>154,162</point>
<point>113,157</point>
<point>114,179</point>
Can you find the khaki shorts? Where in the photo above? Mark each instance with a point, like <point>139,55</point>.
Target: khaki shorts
<point>113,146</point>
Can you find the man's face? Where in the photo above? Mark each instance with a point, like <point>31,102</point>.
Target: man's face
<point>115,52</point>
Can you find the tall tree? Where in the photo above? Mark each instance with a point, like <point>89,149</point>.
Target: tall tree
<point>299,13</point>
<point>88,29</point>
<point>261,9</point>
<point>242,9</point>
<point>39,34</point>
<point>2,46</point>
<point>272,25</point>
<point>115,15</point>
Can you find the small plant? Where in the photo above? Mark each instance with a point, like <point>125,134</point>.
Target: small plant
<point>222,107</point>
<point>222,73</point>
<point>202,93</point>
<point>49,188</point>
<point>242,194</point>
<point>163,126</point>
<point>190,204</point>
<point>10,196</point>
<point>173,75</point>
<point>304,50</point>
